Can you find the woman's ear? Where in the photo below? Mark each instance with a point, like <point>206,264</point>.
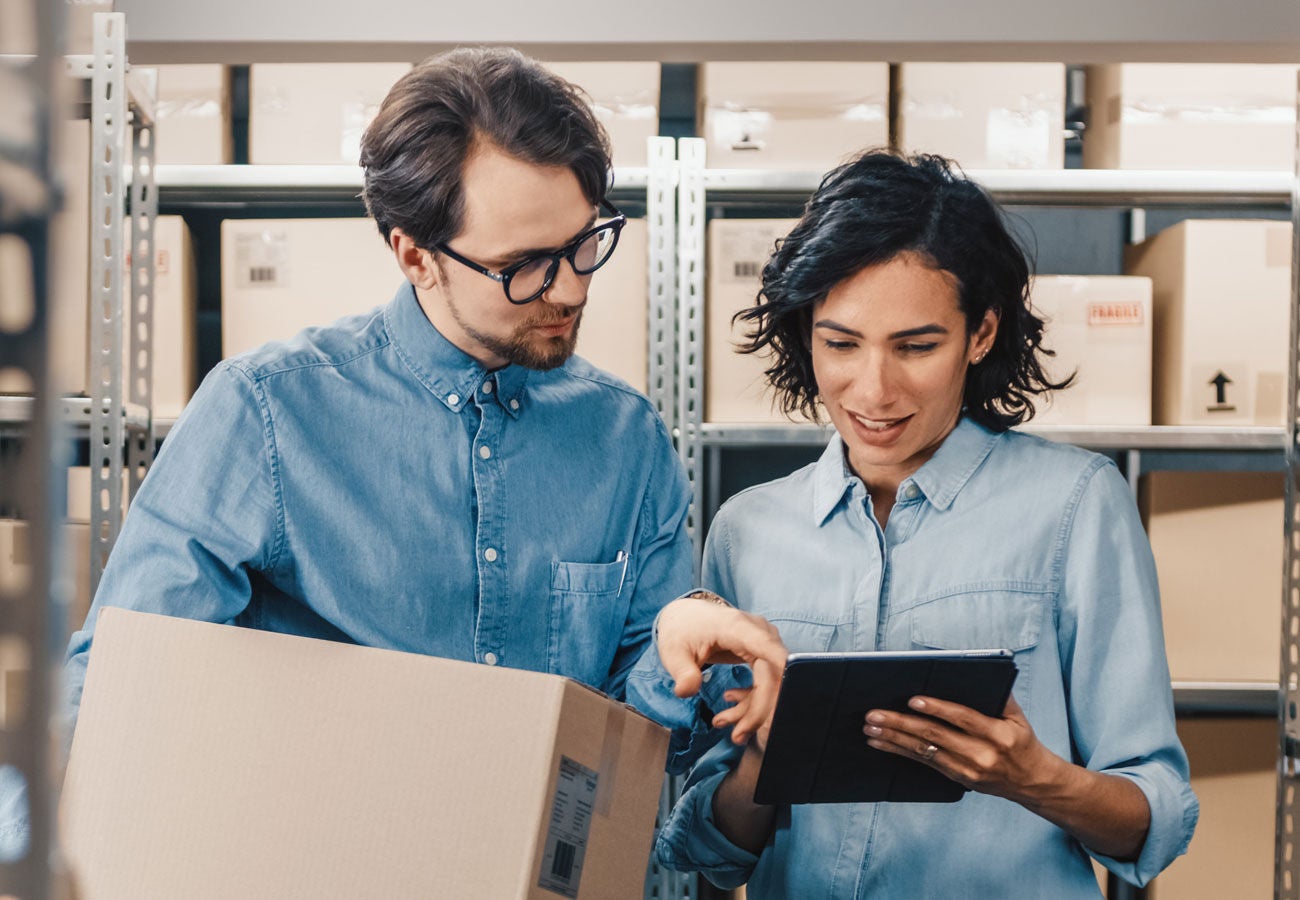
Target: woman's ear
<point>981,341</point>
<point>416,263</point>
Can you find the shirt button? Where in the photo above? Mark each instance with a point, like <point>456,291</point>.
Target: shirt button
<point>911,492</point>
<point>453,399</point>
<point>485,452</point>
<point>490,555</point>
<point>487,387</point>
<point>490,658</point>
<point>514,404</point>
<point>706,676</point>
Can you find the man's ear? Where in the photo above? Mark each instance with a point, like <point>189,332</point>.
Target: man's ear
<point>417,264</point>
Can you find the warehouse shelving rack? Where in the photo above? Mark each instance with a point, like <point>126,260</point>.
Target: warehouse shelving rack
<point>41,425</point>
<point>1141,449</point>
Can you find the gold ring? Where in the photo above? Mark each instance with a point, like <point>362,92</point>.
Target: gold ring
<point>928,753</point>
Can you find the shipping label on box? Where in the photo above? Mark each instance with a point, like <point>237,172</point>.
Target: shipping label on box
<point>984,115</point>
<point>1217,540</point>
<point>1222,313</point>
<point>735,386</point>
<point>792,115</point>
<point>329,769</point>
<point>1198,116</point>
<point>280,276</point>
<point>1099,328</point>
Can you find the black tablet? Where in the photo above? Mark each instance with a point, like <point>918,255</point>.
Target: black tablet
<point>817,751</point>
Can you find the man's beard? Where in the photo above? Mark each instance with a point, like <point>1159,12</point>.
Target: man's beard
<point>524,347</point>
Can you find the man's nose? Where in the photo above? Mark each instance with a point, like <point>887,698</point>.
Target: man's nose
<point>569,288</point>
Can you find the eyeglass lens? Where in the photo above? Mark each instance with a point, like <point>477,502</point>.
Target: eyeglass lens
<point>587,257</point>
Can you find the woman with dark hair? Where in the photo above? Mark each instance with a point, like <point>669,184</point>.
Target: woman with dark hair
<point>899,304</point>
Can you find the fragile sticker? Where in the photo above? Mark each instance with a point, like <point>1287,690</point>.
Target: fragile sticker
<point>570,826</point>
<point>1115,313</point>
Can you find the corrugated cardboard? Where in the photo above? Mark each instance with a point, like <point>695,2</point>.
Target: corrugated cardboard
<point>1222,308</point>
<point>1234,774</point>
<point>279,276</point>
<point>1166,116</point>
<point>792,115</point>
<point>615,322</point>
<point>314,113</point>
<point>216,762</point>
<point>192,115</point>
<point>625,96</point>
<point>1100,329</point>
<point>984,115</point>
<point>735,388</point>
<point>1217,540</point>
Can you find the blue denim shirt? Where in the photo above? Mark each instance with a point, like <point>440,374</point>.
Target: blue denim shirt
<point>369,482</point>
<point>999,540</point>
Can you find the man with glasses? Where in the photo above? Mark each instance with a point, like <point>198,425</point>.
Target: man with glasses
<point>442,475</point>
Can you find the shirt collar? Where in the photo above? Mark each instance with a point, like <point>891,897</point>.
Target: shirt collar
<point>940,479</point>
<point>449,373</point>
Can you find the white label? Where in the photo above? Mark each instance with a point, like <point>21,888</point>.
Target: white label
<point>742,254</point>
<point>1116,313</point>
<point>262,259</point>
<point>566,838</point>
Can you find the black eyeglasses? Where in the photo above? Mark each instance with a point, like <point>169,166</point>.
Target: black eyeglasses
<point>529,278</point>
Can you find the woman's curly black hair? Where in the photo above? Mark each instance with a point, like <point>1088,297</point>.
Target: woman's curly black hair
<point>870,210</point>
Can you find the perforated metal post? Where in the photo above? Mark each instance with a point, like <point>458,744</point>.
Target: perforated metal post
<point>108,122</point>
<point>661,220</point>
<point>144,212</point>
<point>1286,883</point>
<point>28,613</point>
<point>690,323</point>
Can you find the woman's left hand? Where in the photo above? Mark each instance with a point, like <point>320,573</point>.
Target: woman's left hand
<point>998,756</point>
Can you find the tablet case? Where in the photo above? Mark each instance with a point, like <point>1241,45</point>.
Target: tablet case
<point>816,750</point>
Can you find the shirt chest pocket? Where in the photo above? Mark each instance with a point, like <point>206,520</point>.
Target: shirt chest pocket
<point>979,620</point>
<point>586,619</point>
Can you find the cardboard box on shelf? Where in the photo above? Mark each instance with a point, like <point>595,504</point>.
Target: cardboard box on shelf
<point>79,496</point>
<point>175,328</point>
<point>192,115</point>
<point>314,113</point>
<point>614,334</point>
<point>315,765</point>
<point>735,388</point>
<point>1217,540</point>
<point>984,115</point>
<point>71,568</point>
<point>1202,116</point>
<point>1234,774</point>
<point>1100,329</point>
<point>792,115</point>
<point>625,96</point>
<point>1222,306</point>
<point>279,276</point>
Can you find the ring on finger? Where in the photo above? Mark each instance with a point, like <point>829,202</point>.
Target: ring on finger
<point>928,752</point>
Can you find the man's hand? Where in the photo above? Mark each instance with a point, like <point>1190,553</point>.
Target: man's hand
<point>694,632</point>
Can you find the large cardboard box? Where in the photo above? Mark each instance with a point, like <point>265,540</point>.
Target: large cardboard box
<point>984,115</point>
<point>1234,774</point>
<point>215,762</point>
<point>314,113</point>
<point>614,334</point>
<point>792,115</point>
<point>192,115</point>
<point>625,97</point>
<point>735,388</point>
<point>1222,311</point>
<point>1166,116</point>
<point>1217,540</point>
<point>279,276</point>
<point>1099,327</point>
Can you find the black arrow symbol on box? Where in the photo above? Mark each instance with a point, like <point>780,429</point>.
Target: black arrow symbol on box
<point>1220,383</point>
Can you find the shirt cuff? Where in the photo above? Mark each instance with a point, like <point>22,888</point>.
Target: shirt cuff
<point>691,842</point>
<point>1174,811</point>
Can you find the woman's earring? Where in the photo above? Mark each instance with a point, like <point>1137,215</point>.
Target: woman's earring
<point>979,359</point>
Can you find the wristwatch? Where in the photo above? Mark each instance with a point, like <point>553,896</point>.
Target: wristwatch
<point>704,594</point>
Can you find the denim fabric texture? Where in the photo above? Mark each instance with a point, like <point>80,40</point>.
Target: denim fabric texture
<point>999,540</point>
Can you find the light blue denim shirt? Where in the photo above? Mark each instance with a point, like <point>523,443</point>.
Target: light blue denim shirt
<point>369,482</point>
<point>999,540</point>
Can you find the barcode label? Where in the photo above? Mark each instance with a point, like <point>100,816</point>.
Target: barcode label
<point>747,269</point>
<point>262,259</point>
<point>262,275</point>
<point>569,828</point>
